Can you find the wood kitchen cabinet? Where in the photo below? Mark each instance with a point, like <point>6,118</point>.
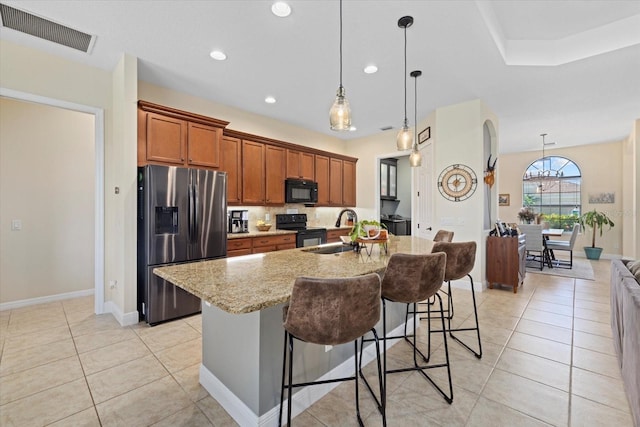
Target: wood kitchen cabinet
<point>322,178</point>
<point>273,243</point>
<point>348,183</point>
<point>231,163</point>
<point>177,138</point>
<point>253,169</point>
<point>333,236</point>
<point>506,261</point>
<point>258,186</point>
<point>300,165</point>
<point>238,247</point>
<point>203,146</point>
<point>275,167</point>
<point>335,182</point>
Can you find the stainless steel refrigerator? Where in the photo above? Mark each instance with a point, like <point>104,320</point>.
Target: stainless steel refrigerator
<point>181,218</point>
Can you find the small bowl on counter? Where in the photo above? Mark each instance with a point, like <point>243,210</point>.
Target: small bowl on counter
<point>263,227</point>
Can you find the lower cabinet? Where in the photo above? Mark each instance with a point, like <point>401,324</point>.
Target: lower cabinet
<point>506,261</point>
<point>274,243</point>
<point>260,244</point>
<point>237,247</point>
<point>333,236</point>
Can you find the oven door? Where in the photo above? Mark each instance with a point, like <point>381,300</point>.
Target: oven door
<point>312,237</point>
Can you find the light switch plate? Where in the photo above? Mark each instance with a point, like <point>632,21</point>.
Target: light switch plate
<point>16,225</point>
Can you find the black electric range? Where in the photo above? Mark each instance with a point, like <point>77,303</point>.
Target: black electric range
<point>305,236</point>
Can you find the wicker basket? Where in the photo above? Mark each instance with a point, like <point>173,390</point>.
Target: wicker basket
<point>264,227</point>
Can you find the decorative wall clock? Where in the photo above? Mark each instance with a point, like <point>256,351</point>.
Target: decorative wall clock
<point>457,182</point>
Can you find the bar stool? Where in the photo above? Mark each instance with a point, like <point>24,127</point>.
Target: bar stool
<point>410,279</point>
<point>460,261</point>
<point>440,236</point>
<point>331,312</point>
<point>443,236</point>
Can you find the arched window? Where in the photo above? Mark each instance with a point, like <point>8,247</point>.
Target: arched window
<point>551,186</point>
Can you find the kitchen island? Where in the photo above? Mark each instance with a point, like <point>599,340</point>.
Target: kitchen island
<point>242,334</point>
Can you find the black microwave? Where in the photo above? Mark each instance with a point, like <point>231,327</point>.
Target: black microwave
<point>300,191</point>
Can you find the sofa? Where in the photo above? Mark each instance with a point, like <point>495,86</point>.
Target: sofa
<point>625,324</point>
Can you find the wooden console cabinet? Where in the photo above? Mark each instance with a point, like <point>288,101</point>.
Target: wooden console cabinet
<point>506,261</point>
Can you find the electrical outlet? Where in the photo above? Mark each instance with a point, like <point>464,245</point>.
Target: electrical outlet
<point>327,348</point>
<point>113,284</point>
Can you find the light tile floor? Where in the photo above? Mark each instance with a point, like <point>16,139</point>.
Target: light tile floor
<point>548,360</point>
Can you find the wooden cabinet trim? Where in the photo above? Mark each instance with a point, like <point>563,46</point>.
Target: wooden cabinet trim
<point>180,114</point>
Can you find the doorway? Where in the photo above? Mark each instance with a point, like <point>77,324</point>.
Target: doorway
<point>98,193</point>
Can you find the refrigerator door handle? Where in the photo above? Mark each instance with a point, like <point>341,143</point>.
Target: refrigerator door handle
<point>191,213</point>
<point>196,217</point>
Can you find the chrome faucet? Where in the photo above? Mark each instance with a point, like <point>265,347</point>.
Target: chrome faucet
<point>355,216</point>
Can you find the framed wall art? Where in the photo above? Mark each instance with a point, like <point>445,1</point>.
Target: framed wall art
<point>597,198</point>
<point>424,135</point>
<point>503,199</point>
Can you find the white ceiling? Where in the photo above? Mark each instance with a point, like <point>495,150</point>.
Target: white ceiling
<point>462,48</point>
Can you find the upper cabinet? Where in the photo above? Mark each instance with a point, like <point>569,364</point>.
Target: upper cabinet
<point>203,146</point>
<point>275,160</point>
<point>253,173</point>
<point>169,136</point>
<point>336,180</point>
<point>322,178</point>
<point>388,179</point>
<point>300,165</point>
<point>231,162</point>
<point>256,166</point>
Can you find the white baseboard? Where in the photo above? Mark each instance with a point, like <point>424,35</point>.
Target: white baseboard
<point>302,400</point>
<point>125,319</point>
<point>42,300</point>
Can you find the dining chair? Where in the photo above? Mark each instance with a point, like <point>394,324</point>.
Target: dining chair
<point>534,243</point>
<point>563,245</point>
<point>331,312</point>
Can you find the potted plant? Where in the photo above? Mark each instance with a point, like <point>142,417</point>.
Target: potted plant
<point>526,214</point>
<point>595,220</point>
<point>361,229</point>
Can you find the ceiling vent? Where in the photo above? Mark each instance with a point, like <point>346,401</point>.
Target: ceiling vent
<point>43,28</point>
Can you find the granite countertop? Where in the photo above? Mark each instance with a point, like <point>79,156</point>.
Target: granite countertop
<point>253,282</point>
<point>255,233</point>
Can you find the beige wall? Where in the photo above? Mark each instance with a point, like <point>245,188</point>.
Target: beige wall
<point>630,220</point>
<point>601,168</point>
<point>47,180</point>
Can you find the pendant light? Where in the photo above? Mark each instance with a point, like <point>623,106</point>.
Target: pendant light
<point>415,158</point>
<point>340,113</point>
<point>404,138</point>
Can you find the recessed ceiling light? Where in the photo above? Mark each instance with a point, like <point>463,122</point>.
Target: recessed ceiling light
<point>218,55</point>
<point>370,69</point>
<point>352,128</point>
<point>281,9</point>
<point>270,100</point>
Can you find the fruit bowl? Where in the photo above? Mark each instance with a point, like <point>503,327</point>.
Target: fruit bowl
<point>264,227</point>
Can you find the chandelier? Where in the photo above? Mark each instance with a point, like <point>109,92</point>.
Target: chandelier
<point>541,170</point>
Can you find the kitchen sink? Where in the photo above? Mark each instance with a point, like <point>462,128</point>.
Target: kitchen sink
<point>334,249</point>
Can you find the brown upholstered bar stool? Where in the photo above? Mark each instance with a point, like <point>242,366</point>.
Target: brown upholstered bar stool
<point>331,312</point>
<point>443,236</point>
<point>440,236</point>
<point>409,279</point>
<point>460,261</point>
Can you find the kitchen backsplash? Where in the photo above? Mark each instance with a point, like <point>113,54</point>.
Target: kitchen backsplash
<point>316,217</point>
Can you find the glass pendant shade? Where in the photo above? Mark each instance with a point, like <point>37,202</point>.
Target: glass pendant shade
<point>340,112</point>
<point>404,139</point>
<point>415,158</point>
